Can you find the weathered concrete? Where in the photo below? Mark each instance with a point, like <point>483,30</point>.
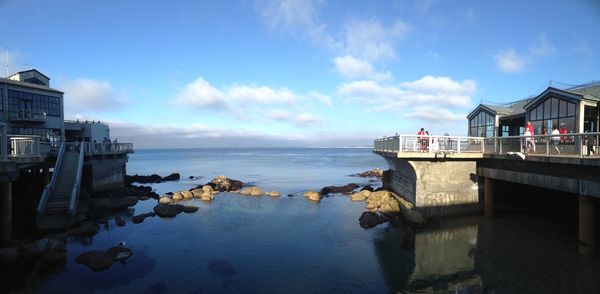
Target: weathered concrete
<point>587,225</point>
<point>488,201</point>
<point>104,174</point>
<point>5,212</point>
<point>436,188</point>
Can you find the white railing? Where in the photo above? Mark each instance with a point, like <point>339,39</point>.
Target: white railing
<point>417,143</point>
<point>24,146</point>
<point>42,204</point>
<point>566,145</point>
<point>108,148</point>
<point>77,184</point>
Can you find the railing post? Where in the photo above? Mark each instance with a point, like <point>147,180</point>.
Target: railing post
<point>580,145</point>
<point>399,144</point>
<point>500,143</point>
<point>415,144</point>
<point>4,142</point>
<point>458,145</point>
<point>547,146</point>
<point>521,145</point>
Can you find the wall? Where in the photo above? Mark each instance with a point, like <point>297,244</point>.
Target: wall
<point>437,188</point>
<point>104,174</point>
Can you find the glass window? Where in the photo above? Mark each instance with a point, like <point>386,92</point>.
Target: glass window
<point>562,110</point>
<point>547,109</point>
<point>554,112</point>
<point>570,109</point>
<point>532,115</point>
<point>540,111</point>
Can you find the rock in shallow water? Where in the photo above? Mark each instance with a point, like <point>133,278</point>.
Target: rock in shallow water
<point>313,195</point>
<point>138,219</point>
<point>369,219</point>
<point>119,252</point>
<point>96,260</point>
<point>168,210</point>
<point>189,209</point>
<point>339,189</point>
<point>165,200</point>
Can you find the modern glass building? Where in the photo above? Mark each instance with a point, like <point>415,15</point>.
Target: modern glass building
<point>572,110</point>
<point>30,107</point>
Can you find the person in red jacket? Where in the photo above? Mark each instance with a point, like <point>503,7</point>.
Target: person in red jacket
<point>421,139</point>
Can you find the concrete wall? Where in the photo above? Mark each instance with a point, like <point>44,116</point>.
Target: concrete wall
<point>437,188</point>
<point>104,174</point>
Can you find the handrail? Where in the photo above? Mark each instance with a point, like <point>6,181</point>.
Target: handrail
<point>50,186</point>
<point>77,184</point>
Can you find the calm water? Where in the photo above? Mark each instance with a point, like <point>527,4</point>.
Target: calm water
<point>289,245</point>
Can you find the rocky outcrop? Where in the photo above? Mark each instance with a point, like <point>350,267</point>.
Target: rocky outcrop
<point>189,209</point>
<point>224,184</point>
<point>177,196</point>
<point>96,260</point>
<point>388,203</point>
<point>168,210</point>
<point>371,173</point>
<point>312,195</point>
<point>369,220</point>
<point>138,219</point>
<point>35,249</point>
<point>252,191</point>
<point>8,255</point>
<point>85,229</point>
<point>187,194</point>
<point>360,196</point>
<point>165,200</point>
<point>205,192</point>
<point>273,194</point>
<point>154,178</point>
<point>119,221</point>
<point>339,189</point>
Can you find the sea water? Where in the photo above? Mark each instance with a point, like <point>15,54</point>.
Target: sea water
<point>287,244</point>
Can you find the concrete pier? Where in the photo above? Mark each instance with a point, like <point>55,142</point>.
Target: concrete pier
<point>5,212</point>
<point>488,201</point>
<point>587,225</point>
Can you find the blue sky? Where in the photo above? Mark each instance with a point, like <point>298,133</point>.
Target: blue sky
<point>296,72</point>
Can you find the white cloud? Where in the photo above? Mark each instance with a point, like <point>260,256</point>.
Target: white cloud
<point>263,95</point>
<point>542,47</point>
<point>414,98</point>
<point>278,114</point>
<point>324,99</point>
<point>373,41</point>
<point>306,118</point>
<point>201,93</point>
<point>353,68</point>
<point>509,61</point>
<point>88,95</point>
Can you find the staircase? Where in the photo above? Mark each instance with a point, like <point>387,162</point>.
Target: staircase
<point>59,199</point>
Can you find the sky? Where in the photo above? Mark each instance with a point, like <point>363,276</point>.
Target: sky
<point>305,73</point>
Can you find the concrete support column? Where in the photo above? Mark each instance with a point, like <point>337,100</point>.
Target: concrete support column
<point>587,225</point>
<point>5,212</point>
<point>45,176</point>
<point>488,196</point>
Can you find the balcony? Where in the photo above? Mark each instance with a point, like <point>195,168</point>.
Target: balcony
<point>26,115</point>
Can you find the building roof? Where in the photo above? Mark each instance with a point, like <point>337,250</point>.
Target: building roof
<point>589,91</point>
<point>29,85</point>
<point>24,71</point>
<point>515,108</point>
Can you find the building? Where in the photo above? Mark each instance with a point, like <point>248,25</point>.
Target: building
<point>29,106</point>
<point>572,110</point>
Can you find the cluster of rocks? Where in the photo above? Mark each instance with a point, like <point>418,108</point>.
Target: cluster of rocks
<point>172,210</point>
<point>154,178</point>
<point>98,260</point>
<point>47,249</point>
<point>346,189</point>
<point>370,173</point>
<point>383,205</point>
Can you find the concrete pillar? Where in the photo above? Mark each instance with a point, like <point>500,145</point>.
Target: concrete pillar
<point>488,197</point>
<point>5,212</point>
<point>587,225</point>
<point>45,176</point>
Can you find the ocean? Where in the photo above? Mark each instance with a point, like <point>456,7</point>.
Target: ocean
<point>287,244</point>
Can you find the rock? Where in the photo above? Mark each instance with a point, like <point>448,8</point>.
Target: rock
<point>207,197</point>
<point>379,195</point>
<point>9,254</point>
<point>368,220</point>
<point>177,196</point>
<point>102,220</point>
<point>273,194</point>
<point>224,184</point>
<point>120,221</point>
<point>313,195</point>
<point>35,249</point>
<point>367,188</point>
<point>165,200</point>
<point>360,196</point>
<point>189,209</point>
<point>187,194</point>
<point>119,252</point>
<point>371,173</point>
<point>85,229</point>
<point>55,256</point>
<point>208,189</point>
<point>167,210</point>
<point>96,260</point>
<point>339,189</point>
<point>138,219</point>
<point>172,177</point>
<point>144,198</point>
<point>413,216</point>
<point>197,192</point>
<point>252,191</point>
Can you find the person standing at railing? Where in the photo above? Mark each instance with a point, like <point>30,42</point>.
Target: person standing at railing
<point>420,139</point>
<point>529,140</point>
<point>555,138</point>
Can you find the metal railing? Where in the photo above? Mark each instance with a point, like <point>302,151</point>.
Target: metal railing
<point>417,143</point>
<point>77,184</point>
<point>27,115</point>
<point>107,148</point>
<point>24,146</point>
<point>566,145</point>
<point>50,186</point>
